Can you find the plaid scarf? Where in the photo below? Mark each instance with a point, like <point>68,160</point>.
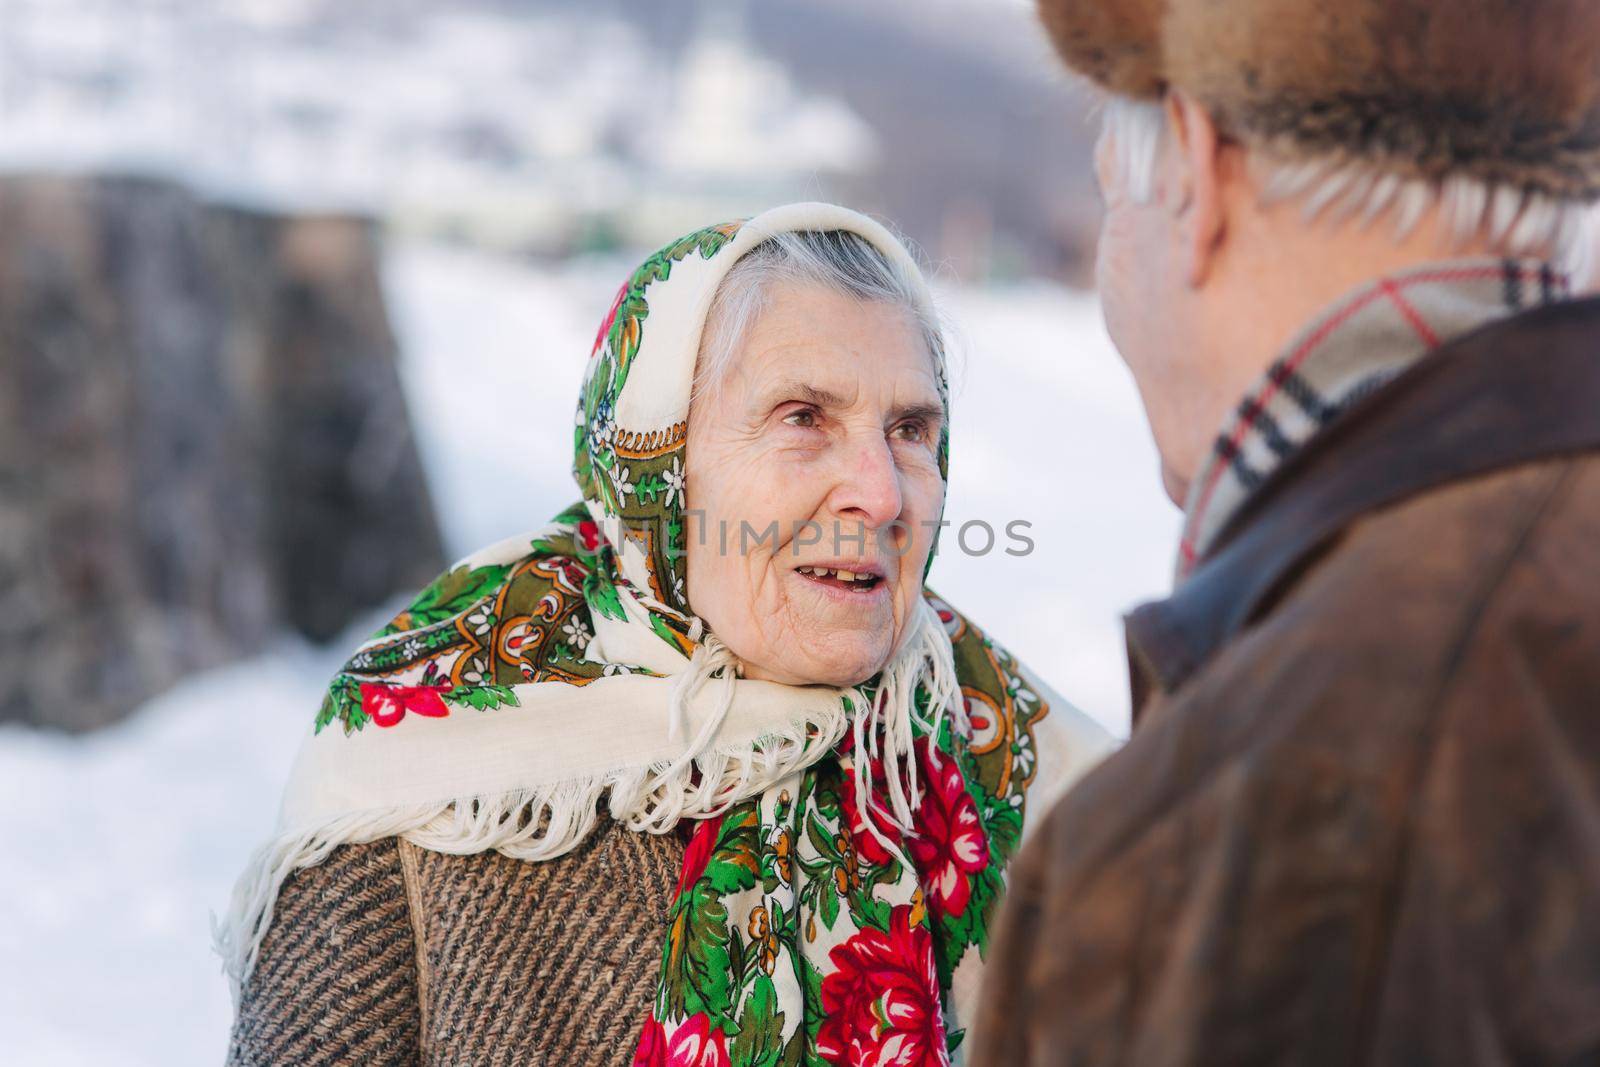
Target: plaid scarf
<point>850,844</point>
<point>1352,349</point>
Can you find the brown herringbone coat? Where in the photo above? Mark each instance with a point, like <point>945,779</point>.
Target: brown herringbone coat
<point>388,955</point>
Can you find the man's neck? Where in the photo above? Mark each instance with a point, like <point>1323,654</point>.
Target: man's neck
<point>1349,349</point>
<point>1272,282</point>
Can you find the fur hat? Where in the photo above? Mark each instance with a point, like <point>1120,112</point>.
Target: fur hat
<point>1506,91</point>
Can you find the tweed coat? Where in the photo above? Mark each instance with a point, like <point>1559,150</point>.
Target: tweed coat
<point>389,955</point>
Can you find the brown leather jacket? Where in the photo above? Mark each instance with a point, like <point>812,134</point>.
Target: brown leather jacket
<point>1359,818</point>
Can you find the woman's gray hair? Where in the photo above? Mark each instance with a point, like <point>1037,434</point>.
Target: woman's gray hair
<point>837,260</point>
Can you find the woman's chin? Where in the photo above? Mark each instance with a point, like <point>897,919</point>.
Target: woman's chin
<point>840,662</point>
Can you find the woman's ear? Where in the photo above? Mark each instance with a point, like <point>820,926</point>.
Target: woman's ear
<point>1196,158</point>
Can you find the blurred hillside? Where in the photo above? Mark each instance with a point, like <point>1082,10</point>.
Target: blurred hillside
<point>549,127</point>
<point>982,142</point>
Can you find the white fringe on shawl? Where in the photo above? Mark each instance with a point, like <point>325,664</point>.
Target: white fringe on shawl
<point>752,735</point>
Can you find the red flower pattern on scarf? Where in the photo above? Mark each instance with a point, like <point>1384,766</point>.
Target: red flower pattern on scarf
<point>652,1050</point>
<point>868,848</point>
<point>386,705</point>
<point>881,1004</point>
<point>698,855</point>
<point>693,1044</point>
<point>611,317</point>
<point>589,535</point>
<point>950,845</point>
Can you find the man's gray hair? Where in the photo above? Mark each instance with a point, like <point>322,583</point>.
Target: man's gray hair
<point>1516,222</point>
<point>836,260</point>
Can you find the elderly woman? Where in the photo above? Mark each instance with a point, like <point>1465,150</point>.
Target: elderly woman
<point>699,773</point>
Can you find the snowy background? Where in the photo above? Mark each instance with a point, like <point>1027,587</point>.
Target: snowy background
<point>118,844</point>
<point>105,956</point>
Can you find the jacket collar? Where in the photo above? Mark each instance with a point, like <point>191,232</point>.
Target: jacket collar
<point>1358,342</point>
<point>1517,390</point>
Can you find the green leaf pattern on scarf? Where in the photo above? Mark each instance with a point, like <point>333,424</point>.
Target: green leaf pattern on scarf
<point>524,612</point>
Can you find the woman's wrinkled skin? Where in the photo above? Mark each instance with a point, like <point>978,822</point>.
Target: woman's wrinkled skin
<point>830,415</point>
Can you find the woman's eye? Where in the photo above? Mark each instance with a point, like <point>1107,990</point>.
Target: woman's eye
<point>804,417</point>
<point>909,431</point>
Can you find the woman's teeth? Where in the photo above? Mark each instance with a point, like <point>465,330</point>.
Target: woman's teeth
<point>843,576</point>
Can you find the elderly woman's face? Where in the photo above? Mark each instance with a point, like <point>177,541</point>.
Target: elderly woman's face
<point>825,431</point>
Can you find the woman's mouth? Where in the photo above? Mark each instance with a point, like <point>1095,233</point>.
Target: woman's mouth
<point>856,582</point>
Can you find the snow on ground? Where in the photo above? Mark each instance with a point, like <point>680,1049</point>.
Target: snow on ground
<point>118,845</point>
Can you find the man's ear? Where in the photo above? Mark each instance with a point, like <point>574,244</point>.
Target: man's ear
<point>1197,151</point>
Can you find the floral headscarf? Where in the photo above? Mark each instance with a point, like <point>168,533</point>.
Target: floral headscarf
<point>850,843</point>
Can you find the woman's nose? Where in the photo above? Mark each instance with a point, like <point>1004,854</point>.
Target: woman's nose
<point>869,485</point>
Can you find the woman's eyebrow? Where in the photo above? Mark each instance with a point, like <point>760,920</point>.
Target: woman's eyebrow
<point>925,411</point>
<point>802,391</point>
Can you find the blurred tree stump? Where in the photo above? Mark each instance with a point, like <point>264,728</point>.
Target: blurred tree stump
<point>203,440</point>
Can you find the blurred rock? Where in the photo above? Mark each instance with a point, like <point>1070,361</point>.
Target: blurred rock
<point>203,440</point>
